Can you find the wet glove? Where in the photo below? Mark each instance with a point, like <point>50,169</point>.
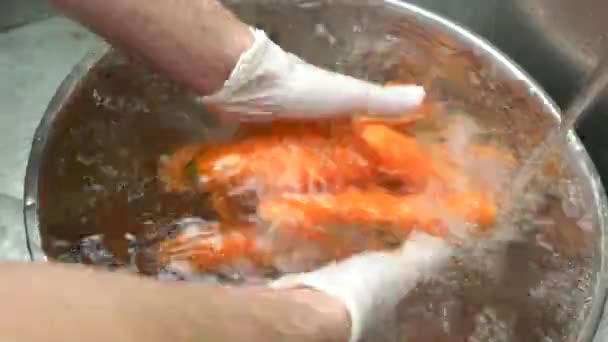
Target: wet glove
<point>372,284</point>
<point>270,82</point>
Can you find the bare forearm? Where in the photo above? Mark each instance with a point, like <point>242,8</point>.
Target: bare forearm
<point>71,303</point>
<point>196,42</point>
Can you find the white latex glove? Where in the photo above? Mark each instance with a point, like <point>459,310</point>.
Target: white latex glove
<point>269,82</point>
<point>372,284</point>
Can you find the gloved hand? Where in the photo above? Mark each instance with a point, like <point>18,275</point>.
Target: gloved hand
<point>269,82</point>
<point>372,284</point>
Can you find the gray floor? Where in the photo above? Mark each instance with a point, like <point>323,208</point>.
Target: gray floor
<point>34,59</point>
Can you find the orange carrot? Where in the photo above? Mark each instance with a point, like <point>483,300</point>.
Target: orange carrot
<point>399,155</point>
<point>210,249</point>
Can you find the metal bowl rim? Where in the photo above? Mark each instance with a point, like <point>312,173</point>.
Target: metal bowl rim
<point>77,76</point>
<point>30,201</point>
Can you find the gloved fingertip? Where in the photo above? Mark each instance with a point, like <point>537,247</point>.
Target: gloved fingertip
<point>395,100</point>
<point>425,248</point>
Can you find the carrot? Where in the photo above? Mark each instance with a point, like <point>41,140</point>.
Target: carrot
<point>399,155</point>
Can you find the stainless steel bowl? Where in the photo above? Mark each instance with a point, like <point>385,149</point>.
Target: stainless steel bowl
<point>92,165</point>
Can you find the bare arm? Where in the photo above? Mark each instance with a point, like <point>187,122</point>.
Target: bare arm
<point>51,302</point>
<point>196,42</point>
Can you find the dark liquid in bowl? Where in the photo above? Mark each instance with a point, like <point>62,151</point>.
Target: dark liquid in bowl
<point>99,177</point>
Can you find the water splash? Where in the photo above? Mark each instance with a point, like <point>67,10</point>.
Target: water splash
<point>556,139</point>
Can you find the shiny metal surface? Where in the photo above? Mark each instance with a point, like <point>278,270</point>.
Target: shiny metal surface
<point>558,42</point>
<point>56,105</point>
<point>34,59</point>
<point>539,105</point>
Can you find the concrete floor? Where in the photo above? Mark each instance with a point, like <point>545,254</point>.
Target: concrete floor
<point>16,13</point>
<point>34,59</point>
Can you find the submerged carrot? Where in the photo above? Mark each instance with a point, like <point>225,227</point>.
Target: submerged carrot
<point>210,249</point>
<point>171,170</point>
<point>377,210</point>
<point>399,155</point>
<point>318,182</point>
<point>475,207</point>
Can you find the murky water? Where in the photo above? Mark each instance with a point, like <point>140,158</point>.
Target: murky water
<point>557,139</point>
<point>99,192</point>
